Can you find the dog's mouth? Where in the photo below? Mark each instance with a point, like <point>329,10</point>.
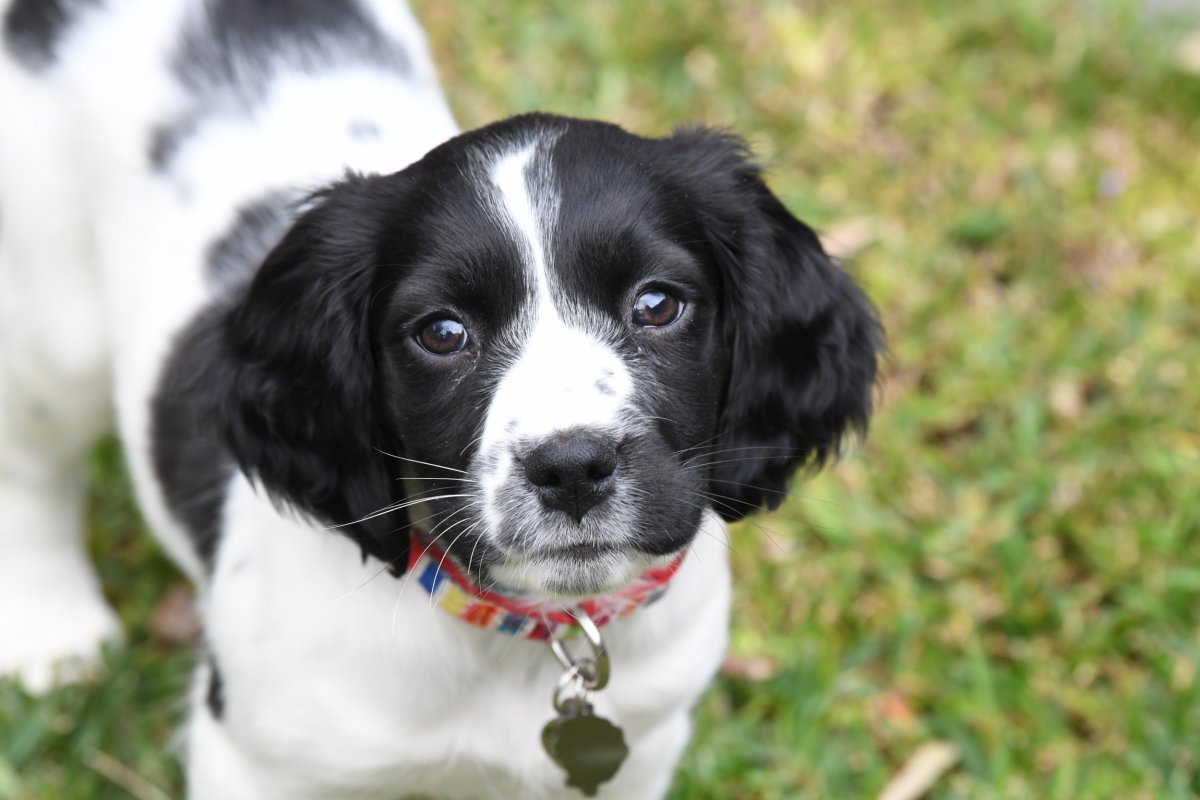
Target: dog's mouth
<point>573,571</point>
<point>578,552</point>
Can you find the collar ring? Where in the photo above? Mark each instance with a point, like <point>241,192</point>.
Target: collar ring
<point>593,672</point>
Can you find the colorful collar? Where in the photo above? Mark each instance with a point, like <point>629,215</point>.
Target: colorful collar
<point>522,615</point>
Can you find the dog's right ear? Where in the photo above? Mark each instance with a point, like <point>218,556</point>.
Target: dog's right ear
<point>297,401</point>
<point>801,338</point>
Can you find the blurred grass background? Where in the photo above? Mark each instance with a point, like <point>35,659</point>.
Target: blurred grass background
<point>1009,564</point>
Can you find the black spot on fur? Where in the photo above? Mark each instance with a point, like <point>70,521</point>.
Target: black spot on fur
<point>166,139</point>
<point>231,53</point>
<point>33,28</point>
<point>190,459</point>
<point>215,697</point>
<point>234,258</point>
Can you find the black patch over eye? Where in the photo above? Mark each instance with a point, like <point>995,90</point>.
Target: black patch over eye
<point>656,308</point>
<point>442,337</point>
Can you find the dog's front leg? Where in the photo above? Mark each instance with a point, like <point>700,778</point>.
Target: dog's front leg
<point>53,618</point>
<point>54,397</point>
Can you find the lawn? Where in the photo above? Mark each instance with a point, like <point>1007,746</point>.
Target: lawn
<point>1010,563</point>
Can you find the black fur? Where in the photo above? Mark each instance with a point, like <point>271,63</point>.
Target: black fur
<point>240,44</point>
<point>230,54</point>
<point>259,226</point>
<point>215,696</point>
<point>190,457</point>
<point>33,28</point>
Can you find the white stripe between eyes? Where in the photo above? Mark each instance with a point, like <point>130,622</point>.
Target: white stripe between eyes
<point>510,176</point>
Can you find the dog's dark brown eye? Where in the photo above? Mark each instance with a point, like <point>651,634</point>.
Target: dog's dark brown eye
<point>442,337</point>
<point>656,308</point>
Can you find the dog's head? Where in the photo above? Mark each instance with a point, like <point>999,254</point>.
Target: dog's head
<point>551,344</point>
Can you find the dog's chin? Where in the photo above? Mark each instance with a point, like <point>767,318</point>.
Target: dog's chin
<point>571,573</point>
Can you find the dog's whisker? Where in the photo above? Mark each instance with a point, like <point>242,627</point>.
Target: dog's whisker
<point>407,579</point>
<point>423,463</point>
<point>713,441</point>
<point>471,558</point>
<point>726,500</point>
<point>363,583</point>
<point>777,512</point>
<point>760,451</point>
<point>755,450</point>
<point>445,525</point>
<point>723,542</point>
<point>426,494</point>
<point>393,508</point>
<point>707,464</point>
<point>766,489</point>
<point>469,444</point>
<point>704,528</point>
<point>781,492</point>
<point>727,506</point>
<point>446,554</point>
<point>467,531</point>
<point>709,442</point>
<point>392,562</point>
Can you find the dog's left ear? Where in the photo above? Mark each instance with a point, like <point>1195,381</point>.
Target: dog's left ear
<point>801,338</point>
<point>297,391</point>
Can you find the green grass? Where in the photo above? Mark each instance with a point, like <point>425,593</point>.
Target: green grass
<point>1009,562</point>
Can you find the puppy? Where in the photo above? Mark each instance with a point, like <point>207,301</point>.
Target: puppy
<point>407,404</point>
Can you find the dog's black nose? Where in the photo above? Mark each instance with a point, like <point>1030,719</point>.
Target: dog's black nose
<point>572,471</point>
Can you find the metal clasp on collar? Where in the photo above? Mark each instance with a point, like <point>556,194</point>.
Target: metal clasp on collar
<point>589,674</point>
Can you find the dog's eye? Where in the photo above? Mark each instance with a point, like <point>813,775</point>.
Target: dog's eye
<point>442,337</point>
<point>656,308</point>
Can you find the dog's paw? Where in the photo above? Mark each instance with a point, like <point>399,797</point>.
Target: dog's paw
<point>52,631</point>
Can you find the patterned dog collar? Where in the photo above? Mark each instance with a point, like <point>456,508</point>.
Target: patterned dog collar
<point>523,615</point>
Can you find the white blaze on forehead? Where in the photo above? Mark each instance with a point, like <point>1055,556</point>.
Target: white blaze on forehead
<point>530,224</point>
<point>564,377</point>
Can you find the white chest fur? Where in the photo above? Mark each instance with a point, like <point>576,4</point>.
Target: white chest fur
<point>342,681</point>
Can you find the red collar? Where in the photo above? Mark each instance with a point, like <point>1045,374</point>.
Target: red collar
<point>524,615</point>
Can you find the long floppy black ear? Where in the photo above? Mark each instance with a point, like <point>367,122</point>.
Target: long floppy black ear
<point>801,338</point>
<point>298,404</point>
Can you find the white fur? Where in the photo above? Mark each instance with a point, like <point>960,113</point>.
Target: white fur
<point>340,681</point>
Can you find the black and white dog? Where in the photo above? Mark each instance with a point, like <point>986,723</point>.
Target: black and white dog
<point>324,319</point>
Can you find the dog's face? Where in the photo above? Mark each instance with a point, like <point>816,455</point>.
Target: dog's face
<point>558,341</point>
<point>541,338</point>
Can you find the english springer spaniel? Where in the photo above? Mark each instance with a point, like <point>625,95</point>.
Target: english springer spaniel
<point>408,404</point>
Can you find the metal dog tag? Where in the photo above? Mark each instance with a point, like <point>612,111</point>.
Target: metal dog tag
<point>588,747</point>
